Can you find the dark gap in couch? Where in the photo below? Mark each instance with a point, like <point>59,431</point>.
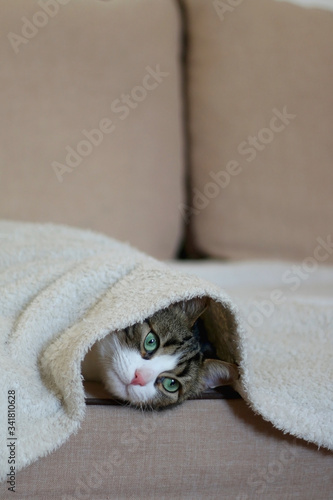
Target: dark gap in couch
<point>97,395</point>
<point>187,249</point>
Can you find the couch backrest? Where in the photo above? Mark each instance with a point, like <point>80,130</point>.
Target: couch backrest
<point>91,117</point>
<point>91,122</point>
<point>261,121</point>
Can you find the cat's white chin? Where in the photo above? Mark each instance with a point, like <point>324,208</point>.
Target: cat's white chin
<point>115,385</point>
<point>138,394</point>
<point>135,394</point>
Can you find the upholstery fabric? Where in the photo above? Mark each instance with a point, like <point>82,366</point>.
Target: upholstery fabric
<point>69,69</point>
<point>214,450</point>
<point>261,107</point>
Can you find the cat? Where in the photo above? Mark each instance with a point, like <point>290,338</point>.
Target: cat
<point>161,361</point>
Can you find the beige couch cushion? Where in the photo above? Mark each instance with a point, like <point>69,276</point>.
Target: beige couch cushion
<point>69,67</point>
<point>261,108</point>
<point>201,450</point>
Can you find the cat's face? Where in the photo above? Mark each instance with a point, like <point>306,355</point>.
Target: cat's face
<point>160,362</point>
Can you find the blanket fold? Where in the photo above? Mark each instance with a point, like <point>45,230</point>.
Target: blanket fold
<point>62,289</point>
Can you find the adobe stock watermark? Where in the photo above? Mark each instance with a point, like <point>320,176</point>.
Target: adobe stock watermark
<point>103,469</point>
<point>30,27</point>
<point>293,277</point>
<point>249,148</point>
<point>122,107</point>
<point>222,7</point>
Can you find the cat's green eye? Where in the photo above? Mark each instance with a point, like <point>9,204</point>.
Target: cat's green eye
<point>151,343</point>
<point>170,384</point>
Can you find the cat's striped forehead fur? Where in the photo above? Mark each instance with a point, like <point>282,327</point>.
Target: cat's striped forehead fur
<point>161,361</point>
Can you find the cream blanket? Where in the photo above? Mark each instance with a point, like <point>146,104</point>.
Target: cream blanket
<point>62,289</point>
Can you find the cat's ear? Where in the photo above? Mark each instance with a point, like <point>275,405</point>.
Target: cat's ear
<point>193,308</point>
<point>215,373</point>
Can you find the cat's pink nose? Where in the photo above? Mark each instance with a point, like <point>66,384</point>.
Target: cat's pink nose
<point>142,377</point>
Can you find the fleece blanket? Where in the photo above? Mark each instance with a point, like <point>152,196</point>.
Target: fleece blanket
<point>62,289</point>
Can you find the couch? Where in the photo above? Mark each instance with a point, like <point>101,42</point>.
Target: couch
<point>200,132</point>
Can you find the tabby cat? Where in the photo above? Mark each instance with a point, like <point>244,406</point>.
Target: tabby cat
<point>161,361</point>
